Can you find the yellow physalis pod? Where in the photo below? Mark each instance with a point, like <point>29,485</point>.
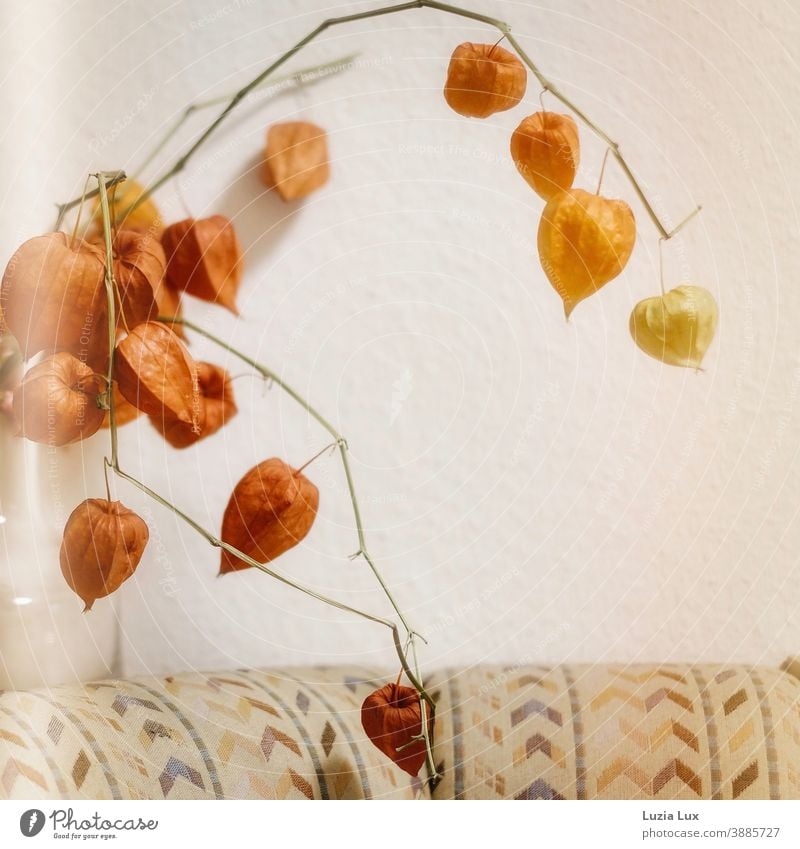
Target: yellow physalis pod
<point>584,241</point>
<point>676,328</point>
<point>145,217</point>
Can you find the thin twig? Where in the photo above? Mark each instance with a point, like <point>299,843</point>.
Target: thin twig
<point>64,208</point>
<point>499,25</point>
<point>298,78</point>
<point>602,171</point>
<point>341,442</point>
<point>339,439</point>
<point>309,591</point>
<point>113,463</point>
<point>102,185</point>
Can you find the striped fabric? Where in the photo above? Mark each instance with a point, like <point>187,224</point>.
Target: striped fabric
<point>644,732</point>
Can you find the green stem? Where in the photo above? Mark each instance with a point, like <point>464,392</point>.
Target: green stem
<point>309,591</point>
<point>458,11</point>
<point>218,543</point>
<point>429,761</point>
<point>64,208</point>
<point>341,442</point>
<point>414,676</point>
<point>298,78</point>
<point>102,185</point>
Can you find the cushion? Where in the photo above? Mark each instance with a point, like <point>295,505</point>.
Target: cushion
<point>282,734</point>
<point>519,732</point>
<point>618,732</point>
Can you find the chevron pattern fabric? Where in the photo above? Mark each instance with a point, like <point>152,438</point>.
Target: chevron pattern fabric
<point>619,732</point>
<point>241,735</point>
<point>611,732</point>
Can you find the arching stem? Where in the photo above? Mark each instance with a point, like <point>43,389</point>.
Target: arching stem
<point>363,552</point>
<point>503,28</point>
<point>413,674</point>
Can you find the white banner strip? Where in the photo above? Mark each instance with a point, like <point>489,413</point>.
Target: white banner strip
<point>177,824</point>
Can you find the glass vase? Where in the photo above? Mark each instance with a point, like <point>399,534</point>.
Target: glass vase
<point>45,638</point>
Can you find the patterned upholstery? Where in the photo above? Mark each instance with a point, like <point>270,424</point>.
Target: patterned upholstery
<point>645,732</point>
<point>619,732</point>
<point>242,735</point>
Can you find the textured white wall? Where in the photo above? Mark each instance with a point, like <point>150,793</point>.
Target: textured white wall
<point>533,490</point>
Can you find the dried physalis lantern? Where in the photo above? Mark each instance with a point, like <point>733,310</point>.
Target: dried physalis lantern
<point>295,159</point>
<point>271,509</point>
<point>139,266</point>
<point>483,79</point>
<point>102,546</point>
<point>155,372</point>
<point>129,211</point>
<point>392,719</point>
<point>204,259</point>
<point>584,242</point>
<point>217,407</point>
<point>546,151</point>
<point>57,401</point>
<point>53,297</point>
<point>676,328</point>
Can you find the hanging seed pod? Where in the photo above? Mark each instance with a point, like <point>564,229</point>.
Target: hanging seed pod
<point>53,297</point>
<point>204,259</point>
<point>139,265</point>
<point>124,411</point>
<point>145,218</point>
<point>584,241</point>
<point>271,509</point>
<point>483,79</point>
<point>546,151</point>
<point>392,718</point>
<point>102,546</point>
<point>676,328</point>
<point>57,401</point>
<point>216,409</point>
<point>156,374</point>
<point>295,159</point>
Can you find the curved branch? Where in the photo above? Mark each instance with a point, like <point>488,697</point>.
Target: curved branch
<point>413,676</point>
<point>105,181</point>
<point>447,8</point>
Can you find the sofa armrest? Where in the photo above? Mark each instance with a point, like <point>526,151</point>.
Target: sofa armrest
<point>281,734</point>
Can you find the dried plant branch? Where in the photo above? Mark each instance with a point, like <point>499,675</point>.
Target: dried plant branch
<point>105,181</point>
<point>413,674</point>
<point>341,443</point>
<point>502,27</point>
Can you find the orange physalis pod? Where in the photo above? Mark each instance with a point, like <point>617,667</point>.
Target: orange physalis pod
<point>295,159</point>
<point>204,259</point>
<point>57,401</point>
<point>102,546</point>
<point>584,241</point>
<point>546,151</point>
<point>271,509</point>
<point>392,719</point>
<point>483,79</point>
<point>156,373</point>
